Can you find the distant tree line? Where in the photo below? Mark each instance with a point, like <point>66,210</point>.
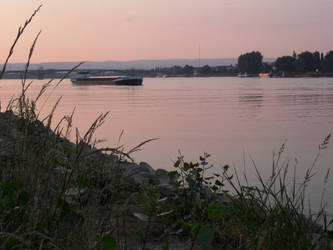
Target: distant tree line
<point>305,62</point>
<point>251,63</point>
<point>187,70</point>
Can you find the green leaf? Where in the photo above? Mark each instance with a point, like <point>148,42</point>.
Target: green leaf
<point>141,216</point>
<point>198,201</point>
<point>83,181</point>
<point>230,177</point>
<point>185,225</point>
<point>8,188</point>
<point>204,163</point>
<point>187,166</point>
<point>205,236</point>
<point>23,198</point>
<point>218,183</point>
<point>109,242</point>
<point>139,237</point>
<point>13,243</point>
<point>68,215</point>
<point>215,211</point>
<point>190,181</point>
<point>166,246</point>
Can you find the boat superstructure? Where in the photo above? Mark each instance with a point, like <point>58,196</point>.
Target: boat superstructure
<point>85,78</point>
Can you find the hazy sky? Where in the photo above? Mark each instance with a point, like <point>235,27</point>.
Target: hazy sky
<point>97,30</point>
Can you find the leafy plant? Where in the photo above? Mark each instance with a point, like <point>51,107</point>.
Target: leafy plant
<point>197,205</point>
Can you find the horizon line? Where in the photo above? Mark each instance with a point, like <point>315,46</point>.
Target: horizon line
<point>135,60</point>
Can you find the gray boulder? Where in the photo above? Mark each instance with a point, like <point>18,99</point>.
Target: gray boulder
<point>139,174</point>
<point>146,167</point>
<point>162,177</point>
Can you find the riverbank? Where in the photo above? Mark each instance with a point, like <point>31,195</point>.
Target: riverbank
<point>71,195</point>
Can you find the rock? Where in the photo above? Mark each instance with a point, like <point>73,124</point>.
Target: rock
<point>162,176</point>
<point>113,159</point>
<point>61,170</point>
<point>139,174</point>
<point>130,168</point>
<point>321,243</point>
<point>146,167</point>
<point>224,199</point>
<point>141,178</point>
<point>75,191</point>
<point>74,195</point>
<point>165,189</point>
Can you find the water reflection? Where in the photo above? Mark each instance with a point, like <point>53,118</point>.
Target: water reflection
<point>250,104</point>
<point>301,99</point>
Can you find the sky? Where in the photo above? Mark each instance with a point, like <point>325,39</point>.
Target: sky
<point>101,30</point>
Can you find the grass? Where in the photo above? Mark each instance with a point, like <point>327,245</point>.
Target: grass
<point>57,194</point>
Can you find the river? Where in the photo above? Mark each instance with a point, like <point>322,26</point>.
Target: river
<point>239,121</point>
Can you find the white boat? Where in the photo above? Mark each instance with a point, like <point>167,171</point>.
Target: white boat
<point>85,78</point>
<point>247,75</point>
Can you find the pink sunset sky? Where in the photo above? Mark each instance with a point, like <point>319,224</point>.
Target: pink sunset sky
<point>100,30</point>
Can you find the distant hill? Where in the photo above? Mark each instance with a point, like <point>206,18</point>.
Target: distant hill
<point>121,65</point>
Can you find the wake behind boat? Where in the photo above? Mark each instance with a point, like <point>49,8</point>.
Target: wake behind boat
<point>85,78</point>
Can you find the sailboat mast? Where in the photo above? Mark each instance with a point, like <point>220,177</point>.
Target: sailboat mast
<point>199,54</point>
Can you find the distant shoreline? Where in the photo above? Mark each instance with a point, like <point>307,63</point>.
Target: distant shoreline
<point>58,74</point>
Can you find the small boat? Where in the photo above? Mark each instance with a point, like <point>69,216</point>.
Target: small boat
<point>85,78</point>
<point>247,75</point>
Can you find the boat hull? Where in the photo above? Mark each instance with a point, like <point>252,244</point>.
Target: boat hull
<point>126,81</point>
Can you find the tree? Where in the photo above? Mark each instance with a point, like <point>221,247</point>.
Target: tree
<point>205,70</point>
<point>327,63</point>
<point>316,60</point>
<point>188,70</point>
<point>285,64</point>
<point>267,67</point>
<point>294,55</point>
<point>250,63</point>
<point>304,62</point>
<point>177,70</point>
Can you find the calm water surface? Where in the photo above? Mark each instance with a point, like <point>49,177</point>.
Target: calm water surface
<point>232,119</point>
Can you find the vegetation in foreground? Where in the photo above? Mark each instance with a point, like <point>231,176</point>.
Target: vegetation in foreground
<point>57,194</point>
